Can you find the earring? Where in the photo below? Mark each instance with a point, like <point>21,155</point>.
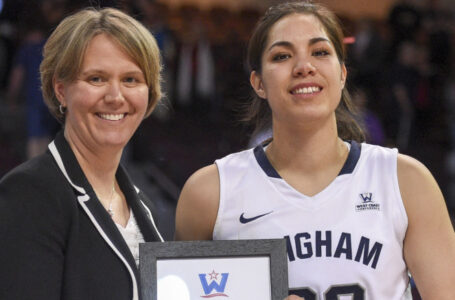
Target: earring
<point>62,109</point>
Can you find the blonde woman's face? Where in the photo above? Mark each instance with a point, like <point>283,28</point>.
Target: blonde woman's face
<point>107,101</point>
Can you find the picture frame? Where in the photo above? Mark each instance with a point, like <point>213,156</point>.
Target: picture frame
<point>238,269</point>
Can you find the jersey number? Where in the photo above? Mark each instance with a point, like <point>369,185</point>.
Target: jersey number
<point>332,293</point>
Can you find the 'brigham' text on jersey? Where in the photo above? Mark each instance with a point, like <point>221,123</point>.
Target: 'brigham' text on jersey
<point>323,244</point>
<point>345,241</point>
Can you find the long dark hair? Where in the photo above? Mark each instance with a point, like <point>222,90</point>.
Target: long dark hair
<point>259,111</point>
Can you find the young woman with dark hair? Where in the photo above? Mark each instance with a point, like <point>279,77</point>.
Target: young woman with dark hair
<point>356,217</point>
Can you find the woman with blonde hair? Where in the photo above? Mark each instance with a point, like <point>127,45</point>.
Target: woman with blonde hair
<point>71,220</point>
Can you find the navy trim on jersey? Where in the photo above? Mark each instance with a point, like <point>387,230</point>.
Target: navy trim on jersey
<point>264,162</point>
<point>348,167</point>
<point>353,158</point>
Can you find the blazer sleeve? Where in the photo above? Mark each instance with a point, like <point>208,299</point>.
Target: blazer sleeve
<point>33,230</point>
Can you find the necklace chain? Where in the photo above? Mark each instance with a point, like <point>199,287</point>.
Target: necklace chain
<point>110,209</point>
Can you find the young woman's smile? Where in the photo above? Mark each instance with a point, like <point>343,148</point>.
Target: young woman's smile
<point>301,75</point>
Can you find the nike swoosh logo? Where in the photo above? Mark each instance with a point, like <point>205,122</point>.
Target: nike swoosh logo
<point>244,220</point>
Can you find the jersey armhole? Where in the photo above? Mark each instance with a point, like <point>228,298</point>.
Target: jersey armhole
<point>221,203</point>
<point>396,185</point>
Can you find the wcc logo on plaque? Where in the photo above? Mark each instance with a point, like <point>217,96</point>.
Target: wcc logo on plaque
<point>214,286</point>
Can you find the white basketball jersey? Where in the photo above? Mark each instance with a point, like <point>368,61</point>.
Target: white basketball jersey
<point>346,242</point>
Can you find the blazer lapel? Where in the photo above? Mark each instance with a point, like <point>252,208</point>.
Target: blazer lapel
<point>136,201</point>
<point>109,232</point>
<point>87,198</point>
<point>106,224</point>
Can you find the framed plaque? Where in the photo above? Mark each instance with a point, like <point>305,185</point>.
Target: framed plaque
<point>234,269</point>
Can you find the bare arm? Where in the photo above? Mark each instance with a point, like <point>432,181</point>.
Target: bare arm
<point>429,245</point>
<point>197,207</point>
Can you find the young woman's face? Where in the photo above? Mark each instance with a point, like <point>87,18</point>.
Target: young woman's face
<point>301,76</point>
<point>108,100</point>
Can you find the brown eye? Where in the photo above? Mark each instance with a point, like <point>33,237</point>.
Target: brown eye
<point>281,56</point>
<point>321,52</point>
<point>96,80</point>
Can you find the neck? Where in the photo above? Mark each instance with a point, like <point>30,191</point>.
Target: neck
<point>306,149</point>
<point>98,166</point>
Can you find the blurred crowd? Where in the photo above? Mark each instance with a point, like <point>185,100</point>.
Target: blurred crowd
<point>401,76</point>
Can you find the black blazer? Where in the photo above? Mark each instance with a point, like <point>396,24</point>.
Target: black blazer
<point>56,239</point>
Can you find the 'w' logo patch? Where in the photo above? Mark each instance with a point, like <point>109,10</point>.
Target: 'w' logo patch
<point>367,197</point>
<point>367,203</point>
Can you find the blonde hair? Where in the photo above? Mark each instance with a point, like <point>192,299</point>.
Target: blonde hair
<point>64,51</point>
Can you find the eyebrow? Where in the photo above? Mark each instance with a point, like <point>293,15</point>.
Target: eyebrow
<point>93,71</point>
<point>311,42</point>
<point>100,71</point>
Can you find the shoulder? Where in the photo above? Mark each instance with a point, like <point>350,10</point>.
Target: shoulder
<point>197,206</point>
<point>38,170</point>
<point>377,151</point>
<point>413,175</point>
<point>202,186</point>
<point>37,183</point>
<point>237,159</point>
<point>407,163</point>
<point>383,159</point>
<point>236,164</point>
<point>419,190</point>
<point>37,202</point>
